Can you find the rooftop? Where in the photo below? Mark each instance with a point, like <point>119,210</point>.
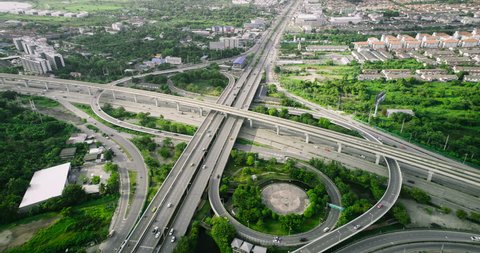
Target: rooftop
<point>240,60</point>
<point>45,184</point>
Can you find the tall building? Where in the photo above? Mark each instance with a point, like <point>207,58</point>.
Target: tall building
<point>35,65</point>
<point>38,57</point>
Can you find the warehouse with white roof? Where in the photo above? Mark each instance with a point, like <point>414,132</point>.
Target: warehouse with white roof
<point>45,184</point>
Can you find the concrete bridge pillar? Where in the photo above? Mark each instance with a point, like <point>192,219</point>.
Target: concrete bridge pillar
<point>278,129</point>
<point>46,85</point>
<point>339,150</point>
<point>135,98</point>
<point>307,138</point>
<point>113,94</point>
<point>200,111</point>
<point>156,102</point>
<point>250,122</point>
<point>430,175</point>
<point>26,82</point>
<point>178,107</point>
<point>377,159</point>
<point>89,91</point>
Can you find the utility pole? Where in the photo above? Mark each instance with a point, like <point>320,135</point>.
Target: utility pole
<point>446,142</point>
<point>403,123</point>
<point>465,158</point>
<point>34,109</point>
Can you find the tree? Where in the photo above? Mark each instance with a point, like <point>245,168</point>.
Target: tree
<point>108,155</point>
<point>73,194</point>
<point>461,214</point>
<point>420,196</point>
<point>189,242</point>
<point>223,233</point>
<point>291,222</point>
<point>165,152</point>
<point>250,160</point>
<point>400,213</point>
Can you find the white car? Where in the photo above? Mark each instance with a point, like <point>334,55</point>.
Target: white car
<point>169,205</point>
<point>171,231</point>
<point>356,227</point>
<point>157,235</point>
<point>475,238</point>
<point>173,239</point>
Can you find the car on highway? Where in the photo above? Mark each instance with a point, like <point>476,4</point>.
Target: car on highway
<point>171,231</point>
<point>475,238</point>
<point>169,205</point>
<point>155,229</point>
<point>193,164</point>
<point>303,239</point>
<point>154,209</point>
<point>204,166</point>
<point>356,227</point>
<point>157,235</point>
<point>380,205</point>
<point>173,239</point>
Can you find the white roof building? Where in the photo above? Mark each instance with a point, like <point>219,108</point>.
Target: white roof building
<point>46,184</point>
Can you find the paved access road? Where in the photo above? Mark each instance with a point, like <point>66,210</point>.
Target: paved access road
<point>423,239</point>
<point>125,215</point>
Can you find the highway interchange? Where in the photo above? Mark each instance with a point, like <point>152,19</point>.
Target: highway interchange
<point>138,128</point>
<point>176,200</point>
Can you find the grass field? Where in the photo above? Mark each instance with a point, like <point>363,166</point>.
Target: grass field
<point>132,175</point>
<point>81,5</point>
<point>84,224</point>
<point>320,72</point>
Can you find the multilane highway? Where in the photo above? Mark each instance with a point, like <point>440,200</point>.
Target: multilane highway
<point>155,224</point>
<point>226,135</point>
<point>397,241</point>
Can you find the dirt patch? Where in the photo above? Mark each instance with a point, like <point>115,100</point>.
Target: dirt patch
<point>285,198</point>
<point>20,234</point>
<point>61,113</point>
<point>422,218</point>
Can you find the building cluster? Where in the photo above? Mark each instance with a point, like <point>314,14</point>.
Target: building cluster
<point>461,48</point>
<point>423,40</point>
<point>263,3</point>
<point>34,12</point>
<point>471,74</point>
<point>441,75</point>
<point>49,183</point>
<point>372,15</point>
<point>95,153</point>
<point>38,57</point>
<point>240,246</point>
<point>232,37</point>
<point>159,60</point>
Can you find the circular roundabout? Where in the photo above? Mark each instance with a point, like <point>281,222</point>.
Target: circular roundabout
<point>285,198</point>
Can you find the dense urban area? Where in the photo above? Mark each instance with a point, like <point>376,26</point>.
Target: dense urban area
<point>239,126</point>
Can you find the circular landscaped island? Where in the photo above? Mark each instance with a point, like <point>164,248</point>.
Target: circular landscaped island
<point>285,198</point>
